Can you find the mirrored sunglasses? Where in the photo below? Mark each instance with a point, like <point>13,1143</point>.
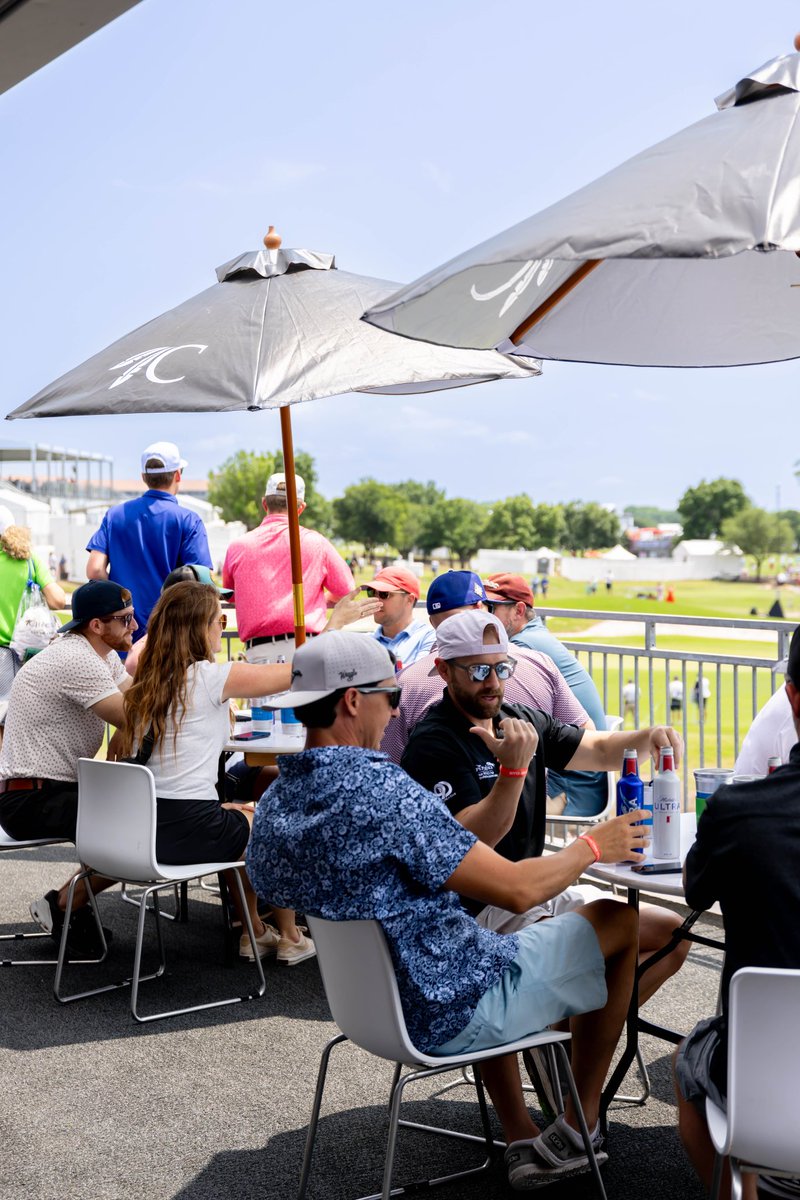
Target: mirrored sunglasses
<point>478,672</point>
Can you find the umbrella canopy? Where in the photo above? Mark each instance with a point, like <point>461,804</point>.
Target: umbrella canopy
<point>682,256</point>
<point>279,327</point>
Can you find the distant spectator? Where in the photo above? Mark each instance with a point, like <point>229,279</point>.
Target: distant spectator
<point>545,584</point>
<point>701,693</point>
<point>63,569</point>
<point>609,580</point>
<point>675,694</point>
<point>434,567</point>
<point>535,586</point>
<point>630,695</point>
<point>141,541</point>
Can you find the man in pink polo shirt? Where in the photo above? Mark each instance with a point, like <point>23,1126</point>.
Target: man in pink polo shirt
<point>258,569</point>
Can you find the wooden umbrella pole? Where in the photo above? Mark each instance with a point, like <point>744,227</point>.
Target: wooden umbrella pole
<point>294,526</point>
<point>549,304</point>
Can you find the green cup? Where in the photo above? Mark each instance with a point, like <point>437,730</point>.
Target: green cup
<point>706,782</point>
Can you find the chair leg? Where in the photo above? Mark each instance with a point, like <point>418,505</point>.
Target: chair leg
<point>716,1178</point>
<point>312,1125</point>
<point>576,1101</point>
<point>176,1012</point>
<point>736,1179</point>
<point>127,898</point>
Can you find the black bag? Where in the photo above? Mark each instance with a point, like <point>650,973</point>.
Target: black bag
<point>142,755</point>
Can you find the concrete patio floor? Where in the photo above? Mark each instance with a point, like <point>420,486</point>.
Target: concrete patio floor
<point>215,1105</point>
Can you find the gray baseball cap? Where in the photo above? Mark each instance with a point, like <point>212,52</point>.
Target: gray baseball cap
<point>324,664</point>
<point>461,636</point>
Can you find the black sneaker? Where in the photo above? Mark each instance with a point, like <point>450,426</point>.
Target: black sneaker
<point>83,939</point>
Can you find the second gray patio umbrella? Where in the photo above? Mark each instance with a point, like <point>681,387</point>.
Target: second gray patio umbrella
<point>280,326</point>
<point>684,255</point>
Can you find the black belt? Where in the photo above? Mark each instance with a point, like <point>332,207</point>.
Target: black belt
<point>275,637</point>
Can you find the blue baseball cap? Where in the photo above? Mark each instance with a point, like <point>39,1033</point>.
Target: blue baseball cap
<point>455,589</point>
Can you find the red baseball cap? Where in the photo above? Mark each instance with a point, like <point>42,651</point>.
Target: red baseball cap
<point>396,579</point>
<point>502,586</point>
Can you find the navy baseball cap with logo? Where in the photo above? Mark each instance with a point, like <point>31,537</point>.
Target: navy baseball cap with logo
<point>454,589</point>
<point>97,598</point>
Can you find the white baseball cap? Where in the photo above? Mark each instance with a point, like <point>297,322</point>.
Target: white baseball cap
<point>461,636</point>
<point>169,455</point>
<point>276,486</point>
<point>323,665</point>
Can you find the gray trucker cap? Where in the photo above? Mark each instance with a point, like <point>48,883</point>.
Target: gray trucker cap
<point>324,664</point>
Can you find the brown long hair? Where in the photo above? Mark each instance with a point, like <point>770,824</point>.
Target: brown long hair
<point>178,634</point>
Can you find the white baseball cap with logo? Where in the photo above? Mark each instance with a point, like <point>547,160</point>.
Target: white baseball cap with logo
<point>169,457</point>
<point>276,486</point>
<point>324,664</point>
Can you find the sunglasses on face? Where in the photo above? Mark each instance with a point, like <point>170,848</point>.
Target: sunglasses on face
<point>478,672</point>
<point>392,694</point>
<point>491,605</point>
<point>222,619</point>
<point>373,594</point>
<point>125,620</point>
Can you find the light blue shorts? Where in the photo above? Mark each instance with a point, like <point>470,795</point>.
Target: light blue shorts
<point>559,971</point>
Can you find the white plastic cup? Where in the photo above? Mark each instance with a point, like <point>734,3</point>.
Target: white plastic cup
<point>291,726</point>
<point>263,718</point>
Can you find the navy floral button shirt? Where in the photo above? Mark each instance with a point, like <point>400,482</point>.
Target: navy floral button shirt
<point>346,834</point>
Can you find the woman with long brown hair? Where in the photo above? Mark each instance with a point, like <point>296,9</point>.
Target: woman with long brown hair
<point>179,700</point>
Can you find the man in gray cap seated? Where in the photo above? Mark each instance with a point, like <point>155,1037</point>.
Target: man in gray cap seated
<point>346,834</point>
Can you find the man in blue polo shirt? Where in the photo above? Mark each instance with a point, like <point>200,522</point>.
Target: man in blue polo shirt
<point>408,638</point>
<point>142,540</point>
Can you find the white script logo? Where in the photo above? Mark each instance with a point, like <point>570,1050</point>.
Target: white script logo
<point>151,359</point>
<point>539,267</point>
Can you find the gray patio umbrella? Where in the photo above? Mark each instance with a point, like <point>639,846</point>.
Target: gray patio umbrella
<point>684,255</point>
<point>280,326</point>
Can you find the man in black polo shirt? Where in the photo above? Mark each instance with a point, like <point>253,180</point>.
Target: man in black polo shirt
<point>456,751</point>
<point>748,834</point>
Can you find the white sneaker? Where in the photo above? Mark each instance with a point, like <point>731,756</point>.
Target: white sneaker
<point>266,942</point>
<point>290,953</point>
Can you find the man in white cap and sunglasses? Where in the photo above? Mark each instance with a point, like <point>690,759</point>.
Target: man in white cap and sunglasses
<point>258,568</point>
<point>140,541</point>
<point>346,834</point>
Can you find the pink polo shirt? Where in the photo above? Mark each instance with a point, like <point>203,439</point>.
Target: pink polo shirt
<point>258,567</point>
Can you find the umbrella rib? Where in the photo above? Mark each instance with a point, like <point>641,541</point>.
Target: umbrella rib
<point>547,305</point>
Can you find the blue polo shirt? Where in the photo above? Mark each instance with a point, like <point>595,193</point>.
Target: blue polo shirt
<point>411,643</point>
<point>146,538</point>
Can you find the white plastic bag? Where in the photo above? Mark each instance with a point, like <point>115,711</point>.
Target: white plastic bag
<point>36,625</point>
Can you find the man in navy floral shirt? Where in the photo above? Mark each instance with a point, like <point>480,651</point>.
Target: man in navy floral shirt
<point>346,834</point>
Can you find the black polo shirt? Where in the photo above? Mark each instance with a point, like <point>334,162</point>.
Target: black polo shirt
<point>458,767</point>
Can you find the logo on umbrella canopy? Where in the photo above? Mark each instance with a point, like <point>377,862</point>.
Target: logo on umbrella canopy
<point>151,359</point>
<point>519,282</point>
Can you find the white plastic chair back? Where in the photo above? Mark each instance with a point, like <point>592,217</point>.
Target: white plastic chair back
<point>764,1067</point>
<point>116,833</point>
<point>360,984</point>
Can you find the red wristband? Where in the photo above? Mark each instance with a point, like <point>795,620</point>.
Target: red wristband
<point>592,844</point>
<point>513,772</point>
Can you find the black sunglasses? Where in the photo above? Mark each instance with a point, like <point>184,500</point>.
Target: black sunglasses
<point>393,694</point>
<point>373,593</point>
<point>491,605</point>
<point>125,619</point>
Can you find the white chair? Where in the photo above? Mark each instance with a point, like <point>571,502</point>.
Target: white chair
<point>360,984</point>
<point>759,1132</point>
<point>116,837</point>
<point>9,843</point>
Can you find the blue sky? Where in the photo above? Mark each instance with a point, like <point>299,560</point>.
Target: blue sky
<point>394,136</point>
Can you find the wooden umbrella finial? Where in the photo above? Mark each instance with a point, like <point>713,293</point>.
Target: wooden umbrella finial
<point>797,41</point>
<point>272,240</point>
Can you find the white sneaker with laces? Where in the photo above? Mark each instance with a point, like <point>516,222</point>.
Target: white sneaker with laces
<point>291,953</point>
<point>267,943</point>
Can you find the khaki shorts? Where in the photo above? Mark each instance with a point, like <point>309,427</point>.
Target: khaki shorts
<point>571,899</point>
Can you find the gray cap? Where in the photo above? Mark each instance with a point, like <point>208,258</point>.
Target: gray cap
<point>324,664</point>
<point>461,636</point>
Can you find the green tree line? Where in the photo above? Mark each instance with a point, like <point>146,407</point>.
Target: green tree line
<point>419,516</point>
